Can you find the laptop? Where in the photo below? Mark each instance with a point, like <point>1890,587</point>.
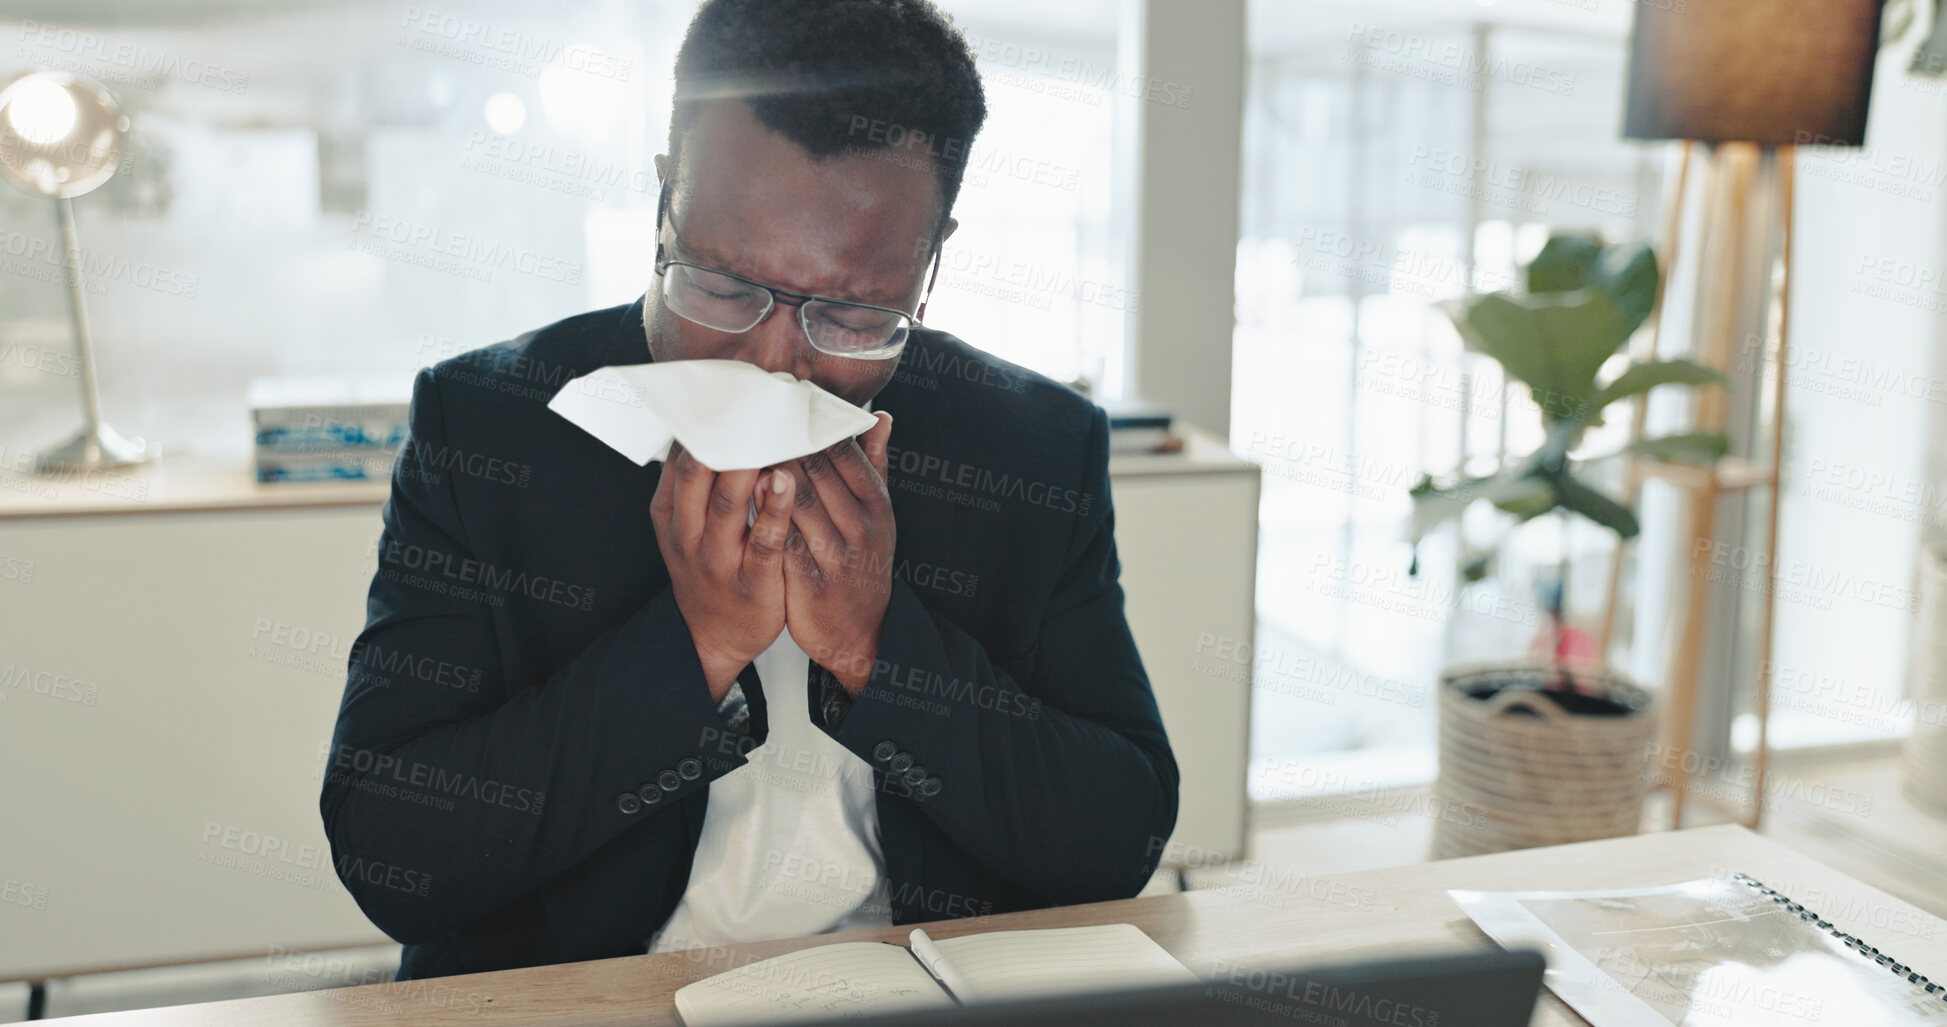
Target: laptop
<point>1485,989</point>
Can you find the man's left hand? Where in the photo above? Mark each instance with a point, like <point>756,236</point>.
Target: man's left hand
<point>838,559</point>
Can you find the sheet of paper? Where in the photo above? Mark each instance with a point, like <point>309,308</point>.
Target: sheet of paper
<point>826,981</point>
<point>1707,953</point>
<point>1061,961</point>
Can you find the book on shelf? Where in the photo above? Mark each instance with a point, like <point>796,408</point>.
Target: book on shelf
<point>311,400</point>
<point>1136,426</point>
<point>345,464</point>
<point>1146,440</point>
<point>328,428</point>
<point>861,978</point>
<point>324,433</point>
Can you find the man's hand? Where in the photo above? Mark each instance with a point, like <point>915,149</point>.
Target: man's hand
<point>838,560</point>
<point>726,570</point>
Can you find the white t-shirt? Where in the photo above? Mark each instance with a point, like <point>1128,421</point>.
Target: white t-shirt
<point>790,843</point>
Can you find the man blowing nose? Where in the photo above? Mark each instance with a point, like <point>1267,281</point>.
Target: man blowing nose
<point>885,683</point>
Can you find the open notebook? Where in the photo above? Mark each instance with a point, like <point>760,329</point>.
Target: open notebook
<point>875,977</point>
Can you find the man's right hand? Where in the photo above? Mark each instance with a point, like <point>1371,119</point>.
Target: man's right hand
<point>726,570</point>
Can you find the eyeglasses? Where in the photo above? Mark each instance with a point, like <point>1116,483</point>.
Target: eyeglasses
<point>731,303</point>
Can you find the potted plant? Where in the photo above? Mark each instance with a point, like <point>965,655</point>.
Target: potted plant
<point>1552,750</point>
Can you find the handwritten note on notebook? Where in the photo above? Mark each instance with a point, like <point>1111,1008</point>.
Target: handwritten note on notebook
<point>874,977</point>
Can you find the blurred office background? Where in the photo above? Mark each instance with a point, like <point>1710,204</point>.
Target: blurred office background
<point>296,168</point>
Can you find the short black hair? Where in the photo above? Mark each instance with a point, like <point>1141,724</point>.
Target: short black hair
<point>838,77</point>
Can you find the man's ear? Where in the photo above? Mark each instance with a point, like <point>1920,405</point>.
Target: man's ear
<point>951,224</point>
<point>662,162</point>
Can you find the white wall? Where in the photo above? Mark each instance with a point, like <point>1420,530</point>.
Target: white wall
<point>1188,183</point>
<point>1866,396</point>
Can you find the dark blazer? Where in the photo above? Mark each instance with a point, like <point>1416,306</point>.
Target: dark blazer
<point>525,748</point>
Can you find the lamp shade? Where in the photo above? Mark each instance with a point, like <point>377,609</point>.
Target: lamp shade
<point>60,134</point>
<point>1774,72</point>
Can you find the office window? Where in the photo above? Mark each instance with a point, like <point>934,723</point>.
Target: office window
<point>1389,166</point>
<point>338,189</point>
<point>1035,273</point>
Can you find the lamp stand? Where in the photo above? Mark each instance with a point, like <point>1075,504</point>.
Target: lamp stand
<point>1727,217</point>
<point>96,446</point>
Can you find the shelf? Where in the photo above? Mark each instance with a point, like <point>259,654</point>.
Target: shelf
<point>187,483</point>
<point>1202,453</point>
<point>1732,474</point>
<point>205,483</point>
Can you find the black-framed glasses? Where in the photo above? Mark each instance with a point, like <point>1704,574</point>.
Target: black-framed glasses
<point>731,303</point>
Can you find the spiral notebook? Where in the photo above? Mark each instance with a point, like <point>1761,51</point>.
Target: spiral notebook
<point>1714,952</point>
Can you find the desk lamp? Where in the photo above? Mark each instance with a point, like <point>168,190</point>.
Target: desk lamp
<point>61,137</point>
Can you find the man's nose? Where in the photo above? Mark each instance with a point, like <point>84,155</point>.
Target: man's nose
<point>778,343</point>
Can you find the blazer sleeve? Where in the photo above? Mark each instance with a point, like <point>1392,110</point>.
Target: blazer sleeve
<point>451,790</point>
<point>1065,783</point>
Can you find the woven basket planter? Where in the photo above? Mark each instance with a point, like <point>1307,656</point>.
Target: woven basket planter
<point>1517,769</point>
<point>1924,781</point>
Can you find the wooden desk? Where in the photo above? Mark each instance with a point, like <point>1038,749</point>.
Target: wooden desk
<point>1281,919</point>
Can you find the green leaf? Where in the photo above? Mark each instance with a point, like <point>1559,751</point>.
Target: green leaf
<point>1564,263</point>
<point>1527,498</point>
<point>1597,507</point>
<point>1583,329</point>
<point>1640,378</point>
<point>1516,491</point>
<point>1503,328</point>
<point>1584,301</point>
<point>1628,276</point>
<point>1554,343</point>
<point>1433,505</point>
<point>1700,447</point>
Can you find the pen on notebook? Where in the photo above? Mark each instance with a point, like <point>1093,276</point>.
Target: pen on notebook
<point>933,959</point>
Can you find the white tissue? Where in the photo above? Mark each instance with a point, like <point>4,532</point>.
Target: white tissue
<point>730,415</point>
